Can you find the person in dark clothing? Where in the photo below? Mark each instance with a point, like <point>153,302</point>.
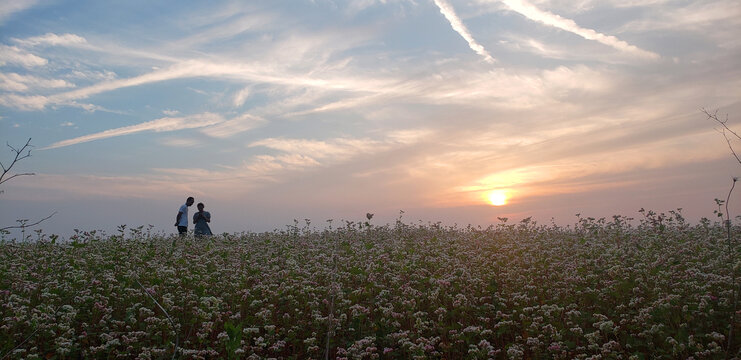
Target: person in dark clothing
<point>201,220</point>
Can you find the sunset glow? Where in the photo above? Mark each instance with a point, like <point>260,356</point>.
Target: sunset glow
<point>498,198</point>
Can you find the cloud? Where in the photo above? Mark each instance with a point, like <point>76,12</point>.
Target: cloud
<point>55,186</point>
<point>16,56</point>
<point>291,155</point>
<point>579,172</point>
<point>105,75</point>
<point>716,20</point>
<point>447,10</point>
<point>269,164</point>
<point>297,154</point>
<point>568,52</point>
<point>180,142</point>
<point>23,83</point>
<point>25,103</point>
<point>8,8</point>
<point>225,23</point>
<point>494,89</point>
<point>334,149</point>
<point>580,77</point>
<point>234,126</point>
<point>533,13</point>
<point>51,39</point>
<point>188,68</point>
<point>257,72</point>
<point>199,68</point>
<point>91,108</point>
<point>409,136</point>
<point>241,96</point>
<point>159,125</point>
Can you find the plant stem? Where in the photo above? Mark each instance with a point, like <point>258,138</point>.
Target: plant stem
<point>731,261</point>
<point>172,323</point>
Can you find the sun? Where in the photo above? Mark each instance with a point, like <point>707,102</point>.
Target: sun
<point>498,197</point>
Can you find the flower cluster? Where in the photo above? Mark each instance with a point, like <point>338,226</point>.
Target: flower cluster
<point>594,290</point>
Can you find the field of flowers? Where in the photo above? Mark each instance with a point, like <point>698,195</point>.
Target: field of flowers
<point>619,289</point>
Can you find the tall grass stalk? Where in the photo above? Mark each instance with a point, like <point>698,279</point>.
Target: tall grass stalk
<point>731,263</point>
<point>172,323</point>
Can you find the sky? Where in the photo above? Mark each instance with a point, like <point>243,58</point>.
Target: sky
<point>453,111</point>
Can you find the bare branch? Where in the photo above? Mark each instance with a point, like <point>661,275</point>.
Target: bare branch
<point>16,175</point>
<point>730,146</point>
<point>28,225</point>
<point>20,154</point>
<point>714,116</point>
<point>724,130</point>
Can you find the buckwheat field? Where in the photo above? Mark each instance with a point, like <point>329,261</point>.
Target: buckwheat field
<point>655,287</point>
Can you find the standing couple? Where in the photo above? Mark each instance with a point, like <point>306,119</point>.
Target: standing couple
<point>200,219</point>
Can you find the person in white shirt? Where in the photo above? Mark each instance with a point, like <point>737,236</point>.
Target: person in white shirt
<point>181,220</point>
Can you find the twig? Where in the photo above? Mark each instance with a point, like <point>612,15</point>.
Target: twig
<point>17,175</point>
<point>20,154</point>
<point>29,225</point>
<point>19,345</point>
<point>18,157</point>
<point>27,338</point>
<point>724,123</point>
<point>172,323</point>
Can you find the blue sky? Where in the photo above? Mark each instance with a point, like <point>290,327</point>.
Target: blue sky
<point>269,111</point>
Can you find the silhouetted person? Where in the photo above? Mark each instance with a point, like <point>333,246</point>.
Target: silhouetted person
<point>201,219</point>
<point>181,221</point>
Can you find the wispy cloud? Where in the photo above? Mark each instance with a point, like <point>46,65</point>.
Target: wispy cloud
<point>447,10</point>
<point>51,39</point>
<point>187,69</point>
<point>294,154</point>
<point>234,126</point>
<point>17,56</point>
<point>261,73</point>
<point>91,108</point>
<point>224,23</point>
<point>159,125</point>
<point>409,136</point>
<point>181,142</point>
<point>24,102</point>
<point>533,13</point>
<point>8,8</point>
<point>91,75</point>
<point>23,83</point>
<point>300,154</point>
<point>266,166</point>
<point>334,149</point>
<point>716,20</point>
<point>241,96</point>
<point>580,171</point>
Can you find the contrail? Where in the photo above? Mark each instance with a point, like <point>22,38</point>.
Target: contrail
<point>547,18</point>
<point>159,125</point>
<point>447,10</point>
